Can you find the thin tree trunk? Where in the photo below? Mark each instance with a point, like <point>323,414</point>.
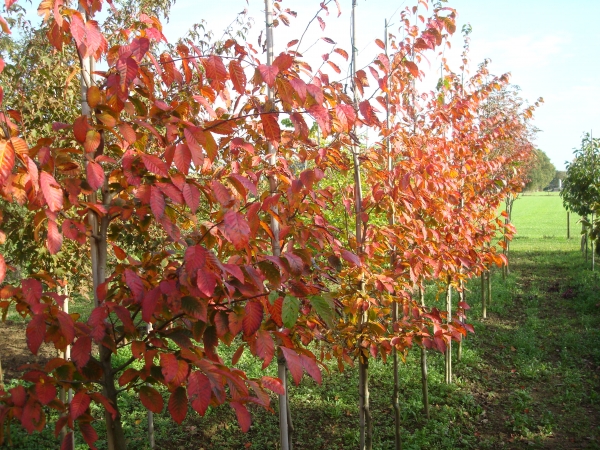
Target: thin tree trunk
<point>483,296</point>
<point>392,221</point>
<point>461,298</point>
<point>66,394</point>
<point>448,321</point>
<point>592,247</point>
<point>365,422</point>
<point>568,225</point>
<point>151,435</point>
<point>290,424</point>
<point>396,392</point>
<point>489,287</point>
<point>98,249</point>
<point>284,414</point>
<point>424,383</point>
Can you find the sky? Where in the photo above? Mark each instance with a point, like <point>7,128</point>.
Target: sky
<point>550,47</point>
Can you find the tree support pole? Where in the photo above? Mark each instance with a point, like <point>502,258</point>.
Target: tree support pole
<point>448,321</point>
<point>424,381</point>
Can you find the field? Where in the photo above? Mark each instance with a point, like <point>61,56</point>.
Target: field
<point>529,376</point>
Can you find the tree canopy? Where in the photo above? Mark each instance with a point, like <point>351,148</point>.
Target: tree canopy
<point>541,173</point>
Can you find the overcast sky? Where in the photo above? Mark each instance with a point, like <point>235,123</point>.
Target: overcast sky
<point>551,48</point>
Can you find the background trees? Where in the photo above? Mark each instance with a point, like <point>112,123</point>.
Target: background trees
<point>541,173</point>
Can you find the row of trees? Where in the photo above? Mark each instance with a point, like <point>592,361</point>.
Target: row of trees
<point>208,223</point>
<point>581,190</point>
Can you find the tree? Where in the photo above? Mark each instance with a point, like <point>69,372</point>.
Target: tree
<point>557,181</point>
<point>541,173</point>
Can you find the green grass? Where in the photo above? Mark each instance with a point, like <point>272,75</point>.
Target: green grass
<point>529,377</point>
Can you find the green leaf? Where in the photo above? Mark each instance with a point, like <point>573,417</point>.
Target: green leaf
<point>323,305</point>
<point>273,296</point>
<point>289,313</point>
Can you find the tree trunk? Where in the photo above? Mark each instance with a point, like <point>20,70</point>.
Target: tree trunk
<point>98,249</point>
<point>489,287</point>
<point>66,394</point>
<point>461,298</point>
<point>396,392</point>
<point>151,435</point>
<point>284,414</point>
<point>424,383</point>
<point>392,221</point>
<point>365,422</point>
<point>483,295</point>
<point>448,321</point>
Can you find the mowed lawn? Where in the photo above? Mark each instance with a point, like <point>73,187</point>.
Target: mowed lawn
<point>541,223</point>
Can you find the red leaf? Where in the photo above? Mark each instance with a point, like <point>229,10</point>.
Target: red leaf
<point>236,229</point>
<point>273,384</point>
<point>300,128</point>
<point>265,347</point>
<point>149,304</point>
<point>79,404</point>
<point>81,351</point>
<point>243,416</point>
<point>368,113</point>
<point>89,433</point>
<point>322,117</point>
<point>51,191</point>
<point>128,133</point>
<point>135,284</point>
<point>7,161</point>
<point>66,325</point>
<point>269,73</point>
<point>81,128</point>
<point>35,333</point>
<point>175,371</point>
<point>253,318</point>
<point>45,392</point>
<point>196,140</point>
<point>215,69</point>
<point>191,195</point>
<point>178,404</point>
<point>67,442</point>
<point>151,399</point>
<point>346,115</point>
<point>32,290</point>
<point>412,68</point>
<point>157,202</point>
<point>95,175</point>
<point>221,193</point>
<point>294,364</point>
<point>206,282</point>
<point>199,391</point>
<point>182,158</point>
<point>311,367</point>
<point>238,76</point>
<point>271,128</point>
<point>155,165</point>
<point>350,257</point>
<point>284,61</point>
<point>54,238</point>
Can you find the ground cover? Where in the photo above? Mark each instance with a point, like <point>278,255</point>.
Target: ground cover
<point>529,377</point>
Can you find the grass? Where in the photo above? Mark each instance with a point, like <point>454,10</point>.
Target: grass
<point>529,377</point>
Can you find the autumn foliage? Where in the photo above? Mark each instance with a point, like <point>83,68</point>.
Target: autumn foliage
<point>167,177</point>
